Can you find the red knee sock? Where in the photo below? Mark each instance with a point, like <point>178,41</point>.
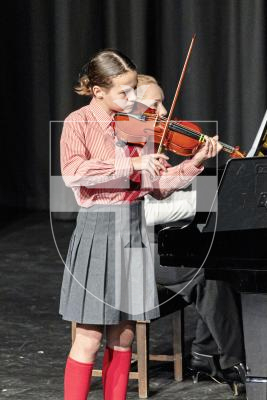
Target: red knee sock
<point>106,361</point>
<point>77,379</point>
<point>115,373</point>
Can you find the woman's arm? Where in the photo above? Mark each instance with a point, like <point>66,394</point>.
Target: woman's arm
<point>180,205</point>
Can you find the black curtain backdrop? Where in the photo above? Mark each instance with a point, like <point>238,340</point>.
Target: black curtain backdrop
<point>44,44</point>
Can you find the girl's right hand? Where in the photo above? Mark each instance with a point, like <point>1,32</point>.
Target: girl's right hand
<point>150,163</point>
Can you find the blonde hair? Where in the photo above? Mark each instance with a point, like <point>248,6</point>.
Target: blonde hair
<point>100,70</point>
<point>145,80</point>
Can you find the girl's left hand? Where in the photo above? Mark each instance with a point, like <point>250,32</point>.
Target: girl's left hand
<point>209,149</point>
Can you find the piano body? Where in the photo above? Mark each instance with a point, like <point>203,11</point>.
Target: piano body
<point>232,245</point>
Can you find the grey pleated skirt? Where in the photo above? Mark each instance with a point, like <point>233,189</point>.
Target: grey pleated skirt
<point>109,273</point>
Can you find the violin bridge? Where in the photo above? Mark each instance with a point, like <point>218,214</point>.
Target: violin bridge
<point>161,149</point>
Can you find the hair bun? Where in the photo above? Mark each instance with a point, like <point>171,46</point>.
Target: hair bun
<point>85,80</point>
<point>83,86</point>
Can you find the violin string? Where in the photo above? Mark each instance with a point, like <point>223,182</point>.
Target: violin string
<point>190,132</point>
<point>198,134</point>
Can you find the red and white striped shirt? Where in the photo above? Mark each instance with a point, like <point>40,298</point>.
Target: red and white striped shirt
<point>98,171</point>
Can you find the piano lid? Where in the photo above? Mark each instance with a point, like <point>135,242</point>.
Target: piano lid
<point>241,196</point>
<point>259,146</point>
<point>242,200</point>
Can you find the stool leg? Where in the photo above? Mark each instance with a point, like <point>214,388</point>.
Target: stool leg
<point>142,335</point>
<point>177,321</point>
<point>73,331</point>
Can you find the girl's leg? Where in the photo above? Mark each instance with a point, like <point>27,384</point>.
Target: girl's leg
<point>80,362</point>
<point>117,360</point>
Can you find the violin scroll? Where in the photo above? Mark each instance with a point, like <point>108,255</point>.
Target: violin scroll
<point>237,153</point>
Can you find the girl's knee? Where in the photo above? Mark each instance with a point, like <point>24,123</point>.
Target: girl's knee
<point>89,340</point>
<point>122,338</point>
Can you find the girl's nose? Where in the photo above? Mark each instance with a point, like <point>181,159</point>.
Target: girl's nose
<point>131,95</point>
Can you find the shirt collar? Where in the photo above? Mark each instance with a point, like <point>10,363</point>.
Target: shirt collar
<point>103,118</point>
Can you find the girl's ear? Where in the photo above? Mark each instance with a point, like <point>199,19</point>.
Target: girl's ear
<point>98,92</point>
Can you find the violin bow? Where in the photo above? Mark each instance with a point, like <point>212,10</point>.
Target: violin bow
<point>161,147</point>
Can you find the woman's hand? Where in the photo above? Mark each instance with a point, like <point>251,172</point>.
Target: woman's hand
<point>209,149</point>
<point>151,163</point>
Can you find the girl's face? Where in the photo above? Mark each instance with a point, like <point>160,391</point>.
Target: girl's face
<point>121,96</point>
<point>153,97</point>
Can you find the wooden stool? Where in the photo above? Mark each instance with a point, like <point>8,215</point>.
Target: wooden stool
<point>143,356</point>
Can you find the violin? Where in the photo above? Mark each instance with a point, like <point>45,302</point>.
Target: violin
<point>143,125</point>
<point>181,137</point>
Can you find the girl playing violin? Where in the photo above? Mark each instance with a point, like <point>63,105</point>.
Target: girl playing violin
<point>109,273</point>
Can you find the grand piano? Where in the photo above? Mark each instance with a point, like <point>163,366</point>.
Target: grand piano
<point>231,245</point>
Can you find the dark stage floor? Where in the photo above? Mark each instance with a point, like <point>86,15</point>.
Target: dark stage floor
<point>34,339</point>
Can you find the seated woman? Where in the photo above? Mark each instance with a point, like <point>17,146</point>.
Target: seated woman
<point>217,349</point>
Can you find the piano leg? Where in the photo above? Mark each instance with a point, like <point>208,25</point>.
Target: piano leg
<point>254,308</point>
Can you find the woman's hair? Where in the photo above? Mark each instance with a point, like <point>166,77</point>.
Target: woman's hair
<point>100,70</point>
<point>145,80</point>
